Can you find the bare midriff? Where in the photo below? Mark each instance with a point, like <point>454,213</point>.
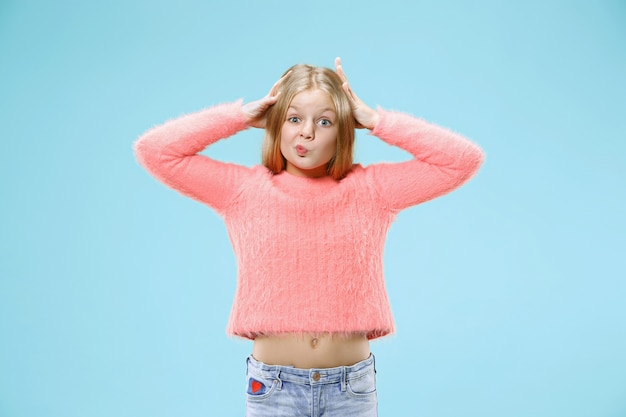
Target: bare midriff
<point>308,351</point>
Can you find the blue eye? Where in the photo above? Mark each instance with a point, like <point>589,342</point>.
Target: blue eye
<point>293,119</point>
<point>325,122</point>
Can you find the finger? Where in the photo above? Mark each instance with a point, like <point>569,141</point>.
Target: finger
<point>271,100</point>
<point>346,83</point>
<point>354,99</point>
<point>348,91</point>
<point>342,76</point>
<point>277,83</point>
<point>272,92</point>
<point>339,70</point>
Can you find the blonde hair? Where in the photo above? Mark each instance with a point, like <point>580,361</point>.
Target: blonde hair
<point>301,78</point>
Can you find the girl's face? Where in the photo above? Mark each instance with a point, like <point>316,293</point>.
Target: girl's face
<point>308,138</point>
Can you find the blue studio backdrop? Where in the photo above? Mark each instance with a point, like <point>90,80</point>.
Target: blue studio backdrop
<point>509,294</point>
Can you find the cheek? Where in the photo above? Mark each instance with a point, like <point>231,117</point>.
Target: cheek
<point>286,136</point>
<point>331,150</point>
<point>287,130</point>
<point>284,142</point>
<point>331,144</point>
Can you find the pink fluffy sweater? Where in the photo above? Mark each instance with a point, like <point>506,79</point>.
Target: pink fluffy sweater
<point>309,251</point>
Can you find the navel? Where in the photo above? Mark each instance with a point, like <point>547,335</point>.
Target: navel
<point>314,342</point>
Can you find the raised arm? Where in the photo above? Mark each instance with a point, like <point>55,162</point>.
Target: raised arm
<point>170,152</point>
<point>443,160</point>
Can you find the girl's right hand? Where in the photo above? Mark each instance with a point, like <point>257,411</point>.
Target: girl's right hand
<point>254,111</point>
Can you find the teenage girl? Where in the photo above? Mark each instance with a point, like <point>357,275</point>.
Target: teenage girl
<point>308,229</point>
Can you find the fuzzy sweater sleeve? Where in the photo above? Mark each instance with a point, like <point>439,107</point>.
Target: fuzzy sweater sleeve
<point>442,160</point>
<point>170,152</point>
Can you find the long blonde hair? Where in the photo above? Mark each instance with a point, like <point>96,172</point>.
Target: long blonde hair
<point>301,78</point>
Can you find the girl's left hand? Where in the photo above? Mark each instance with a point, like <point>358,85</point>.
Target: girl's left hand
<point>365,116</point>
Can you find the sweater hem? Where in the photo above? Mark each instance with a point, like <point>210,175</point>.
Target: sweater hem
<point>370,334</point>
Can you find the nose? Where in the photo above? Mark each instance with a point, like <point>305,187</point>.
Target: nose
<point>308,130</point>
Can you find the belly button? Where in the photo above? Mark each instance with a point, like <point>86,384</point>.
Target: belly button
<point>314,342</point>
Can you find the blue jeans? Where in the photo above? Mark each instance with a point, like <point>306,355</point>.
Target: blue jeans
<point>277,391</point>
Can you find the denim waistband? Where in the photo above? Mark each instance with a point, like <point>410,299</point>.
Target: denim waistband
<point>313,376</point>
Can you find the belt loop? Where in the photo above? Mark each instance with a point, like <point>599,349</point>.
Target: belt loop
<point>278,380</point>
<point>344,378</point>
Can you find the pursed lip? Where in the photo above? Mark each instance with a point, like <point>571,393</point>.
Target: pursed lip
<point>301,150</point>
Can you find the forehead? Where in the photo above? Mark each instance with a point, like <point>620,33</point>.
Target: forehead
<point>313,99</point>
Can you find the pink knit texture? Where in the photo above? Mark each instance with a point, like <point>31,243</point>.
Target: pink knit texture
<point>309,251</point>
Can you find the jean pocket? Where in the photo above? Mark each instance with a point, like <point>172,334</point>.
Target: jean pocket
<point>260,388</point>
<point>362,385</point>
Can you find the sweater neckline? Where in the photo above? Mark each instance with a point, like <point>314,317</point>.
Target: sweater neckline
<point>303,186</point>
